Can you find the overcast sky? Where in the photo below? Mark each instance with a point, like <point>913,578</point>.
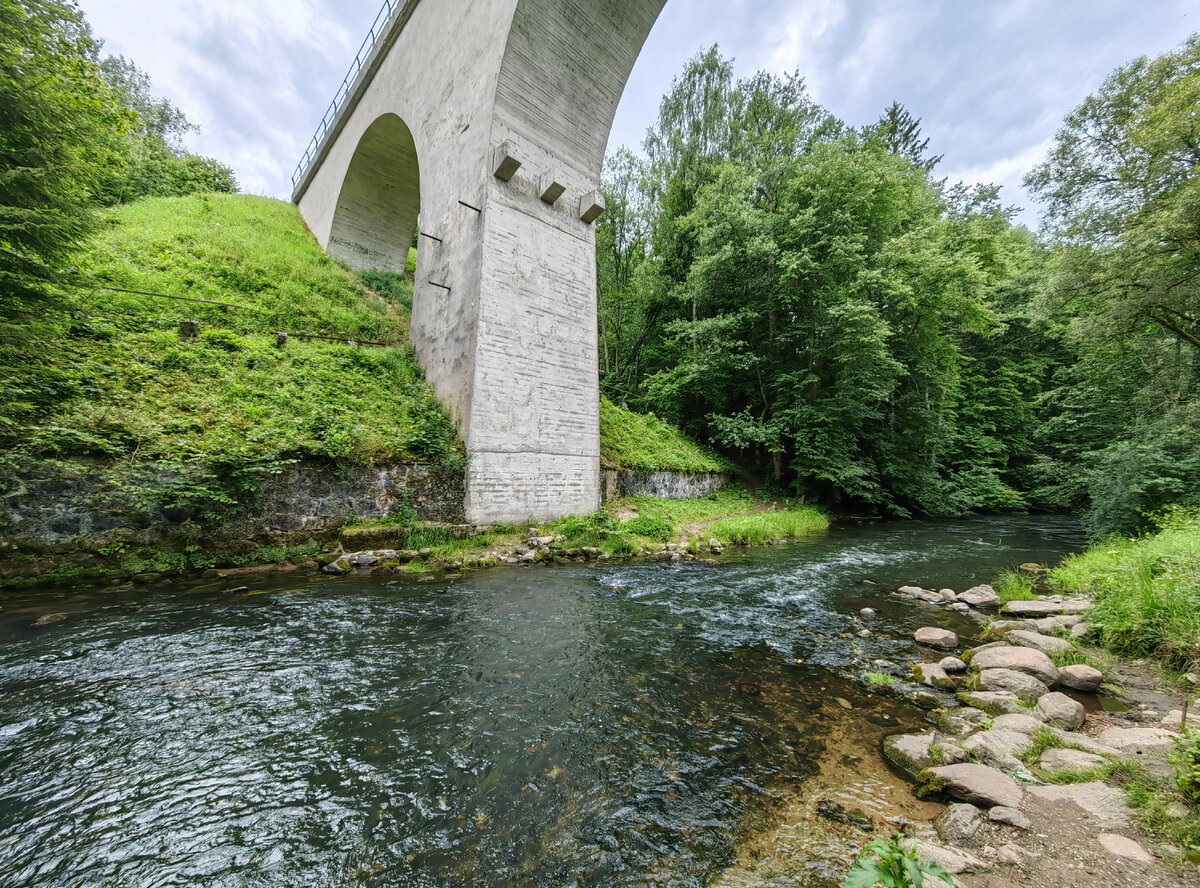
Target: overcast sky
<point>991,79</point>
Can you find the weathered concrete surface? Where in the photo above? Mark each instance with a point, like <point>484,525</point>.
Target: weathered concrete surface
<point>504,311</point>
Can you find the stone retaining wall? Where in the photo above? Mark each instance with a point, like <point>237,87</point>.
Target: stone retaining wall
<point>59,506</point>
<point>661,485</point>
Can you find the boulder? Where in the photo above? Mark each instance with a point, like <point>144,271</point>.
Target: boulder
<point>1080,631</point>
<point>1009,817</point>
<point>952,665</point>
<point>948,594</point>
<point>1056,760</point>
<point>1060,710</point>
<point>977,784</point>
<point>961,721</point>
<point>1026,687</point>
<point>921,594</point>
<point>867,614</point>
<point>1080,677</point>
<point>999,749</point>
<point>933,675</point>
<point>1000,627</point>
<point>1147,745</point>
<point>980,596</point>
<point>935,637</point>
<point>958,823</point>
<point>1106,804</point>
<point>1044,643</point>
<point>1018,722</point>
<point>1047,607</point>
<point>912,753</point>
<point>1019,659</point>
<point>993,702</point>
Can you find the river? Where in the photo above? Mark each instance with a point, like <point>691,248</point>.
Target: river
<point>582,725</point>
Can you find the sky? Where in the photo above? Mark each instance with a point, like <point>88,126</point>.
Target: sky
<point>991,80</point>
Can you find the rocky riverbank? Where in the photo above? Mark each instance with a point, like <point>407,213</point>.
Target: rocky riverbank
<point>1028,756</point>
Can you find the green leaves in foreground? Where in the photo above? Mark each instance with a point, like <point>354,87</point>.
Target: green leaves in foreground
<point>885,863</point>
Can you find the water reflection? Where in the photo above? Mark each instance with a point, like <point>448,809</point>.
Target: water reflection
<point>578,726</point>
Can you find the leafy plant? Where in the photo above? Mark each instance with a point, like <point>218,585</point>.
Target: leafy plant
<point>888,864</point>
<point>1186,759</point>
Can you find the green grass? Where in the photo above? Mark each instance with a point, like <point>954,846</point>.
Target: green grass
<point>114,380</point>
<point>1147,591</point>
<point>879,679</point>
<point>755,530</point>
<point>1013,586</point>
<point>644,443</point>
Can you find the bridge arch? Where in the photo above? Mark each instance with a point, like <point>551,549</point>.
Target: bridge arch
<point>380,199</point>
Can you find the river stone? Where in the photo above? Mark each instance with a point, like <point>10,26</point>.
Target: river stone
<point>1020,659</point>
<point>1080,631</point>
<point>1018,722</point>
<point>1060,710</point>
<point>1060,623</point>
<point>948,594</point>
<point>958,823</point>
<point>336,568</point>
<point>952,665</point>
<point>935,637</point>
<point>1000,627</point>
<point>910,752</point>
<point>994,702</point>
<point>952,860</point>
<point>921,594</point>
<point>1055,760</point>
<point>1044,643</point>
<point>978,784</point>
<point>1024,686</point>
<point>1148,745</point>
<point>1125,847</point>
<point>1046,607</point>
<point>866,614</point>
<point>950,753</point>
<point>933,675</point>
<point>999,749</point>
<point>960,607</point>
<point>961,721</point>
<point>1009,817</point>
<point>1080,677</point>
<point>1106,804</point>
<point>980,596</point>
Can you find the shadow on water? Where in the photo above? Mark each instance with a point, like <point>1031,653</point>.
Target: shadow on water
<point>586,726</point>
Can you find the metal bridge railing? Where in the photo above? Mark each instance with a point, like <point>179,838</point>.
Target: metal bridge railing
<point>378,28</point>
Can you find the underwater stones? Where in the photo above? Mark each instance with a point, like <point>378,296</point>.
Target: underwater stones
<point>1021,659</point>
<point>1060,710</point>
<point>935,637</point>
<point>1080,678</point>
<point>977,784</point>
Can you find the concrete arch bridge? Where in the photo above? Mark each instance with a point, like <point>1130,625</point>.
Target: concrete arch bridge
<point>490,118</point>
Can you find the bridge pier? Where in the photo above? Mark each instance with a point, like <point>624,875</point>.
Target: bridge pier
<point>492,117</point>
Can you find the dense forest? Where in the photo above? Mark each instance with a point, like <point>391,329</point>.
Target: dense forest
<point>815,301</point>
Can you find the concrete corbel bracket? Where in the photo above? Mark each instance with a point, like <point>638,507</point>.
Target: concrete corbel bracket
<point>504,164</point>
<point>591,206</point>
<point>550,190</point>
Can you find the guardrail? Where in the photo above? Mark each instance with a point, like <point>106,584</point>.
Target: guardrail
<point>378,28</point>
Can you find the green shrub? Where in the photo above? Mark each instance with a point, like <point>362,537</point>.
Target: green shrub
<point>887,864</point>
<point>1186,759</point>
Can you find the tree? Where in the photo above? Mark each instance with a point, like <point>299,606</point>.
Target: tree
<point>900,133</point>
<point>159,164</point>
<point>61,147</point>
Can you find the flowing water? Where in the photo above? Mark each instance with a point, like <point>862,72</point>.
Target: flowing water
<point>584,725</point>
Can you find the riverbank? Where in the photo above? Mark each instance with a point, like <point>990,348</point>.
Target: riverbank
<point>1064,764</point>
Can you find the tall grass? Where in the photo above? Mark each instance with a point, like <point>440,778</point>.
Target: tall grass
<point>1013,586</point>
<point>1147,590</point>
<point>644,443</point>
<point>755,530</point>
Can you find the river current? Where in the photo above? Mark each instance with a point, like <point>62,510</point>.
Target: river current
<point>581,725</point>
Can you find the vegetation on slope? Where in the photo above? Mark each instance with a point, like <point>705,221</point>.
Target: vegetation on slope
<point>1147,590</point>
<point>643,443</point>
<point>121,383</point>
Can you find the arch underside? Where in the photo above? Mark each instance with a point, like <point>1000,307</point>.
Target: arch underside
<point>380,199</point>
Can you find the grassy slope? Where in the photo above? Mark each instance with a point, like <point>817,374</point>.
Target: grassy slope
<point>119,382</point>
<point>647,444</point>
<point>1147,591</point>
